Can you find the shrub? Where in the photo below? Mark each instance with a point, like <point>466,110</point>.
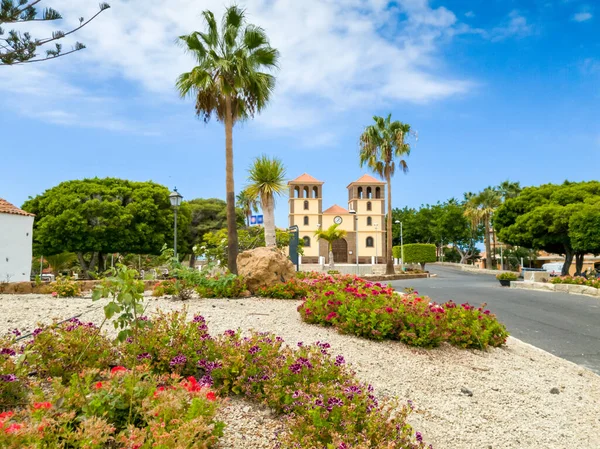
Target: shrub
<point>120,408</point>
<point>293,289</point>
<point>65,349</point>
<point>420,253</point>
<point>166,287</point>
<point>221,286</point>
<point>65,287</point>
<point>13,374</point>
<point>333,272</point>
<point>372,310</point>
<point>576,280</point>
<point>397,252</point>
<point>507,277</point>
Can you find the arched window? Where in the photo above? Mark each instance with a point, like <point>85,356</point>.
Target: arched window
<point>377,193</point>
<point>297,192</point>
<point>360,192</point>
<point>315,192</point>
<point>305,205</point>
<point>369,193</point>
<point>370,242</point>
<point>305,221</point>
<point>306,241</point>
<point>369,206</point>
<point>306,195</point>
<point>369,221</point>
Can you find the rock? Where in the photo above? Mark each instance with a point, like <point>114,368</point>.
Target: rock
<point>555,391</point>
<point>264,267</point>
<point>466,391</point>
<point>246,294</point>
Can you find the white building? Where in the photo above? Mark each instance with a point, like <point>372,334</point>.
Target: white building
<point>16,233</point>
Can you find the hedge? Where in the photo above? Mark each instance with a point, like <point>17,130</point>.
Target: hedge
<point>417,253</point>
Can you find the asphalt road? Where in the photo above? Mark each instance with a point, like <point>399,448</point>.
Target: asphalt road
<point>567,326</point>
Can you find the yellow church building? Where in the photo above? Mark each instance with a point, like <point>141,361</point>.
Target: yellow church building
<point>364,219</point>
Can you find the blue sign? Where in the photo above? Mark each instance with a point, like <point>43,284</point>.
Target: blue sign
<point>256,219</point>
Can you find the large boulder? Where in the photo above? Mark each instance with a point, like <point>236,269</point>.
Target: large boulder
<point>264,267</point>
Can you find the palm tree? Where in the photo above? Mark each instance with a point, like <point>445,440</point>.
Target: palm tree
<point>60,262</point>
<point>330,235</point>
<point>267,178</point>
<point>479,209</point>
<point>231,82</point>
<point>248,204</point>
<point>380,145</point>
<point>509,189</point>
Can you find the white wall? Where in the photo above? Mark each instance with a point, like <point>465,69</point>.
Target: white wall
<point>16,232</point>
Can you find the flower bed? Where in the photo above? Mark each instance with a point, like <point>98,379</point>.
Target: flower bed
<point>164,389</point>
<point>576,280</point>
<point>371,310</point>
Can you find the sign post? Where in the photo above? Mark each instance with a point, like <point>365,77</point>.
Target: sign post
<point>294,240</point>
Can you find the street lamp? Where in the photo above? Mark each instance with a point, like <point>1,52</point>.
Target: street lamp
<point>353,212</point>
<point>401,244</point>
<point>376,228</point>
<point>175,198</point>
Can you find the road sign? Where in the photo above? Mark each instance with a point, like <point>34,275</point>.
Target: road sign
<point>256,219</point>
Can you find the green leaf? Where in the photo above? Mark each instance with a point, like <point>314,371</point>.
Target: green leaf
<point>110,309</point>
<point>96,294</point>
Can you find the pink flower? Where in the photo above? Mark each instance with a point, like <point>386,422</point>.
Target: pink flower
<point>54,294</point>
<point>331,316</point>
<point>118,369</point>
<point>42,405</point>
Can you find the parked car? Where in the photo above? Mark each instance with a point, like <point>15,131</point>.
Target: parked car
<point>554,269</point>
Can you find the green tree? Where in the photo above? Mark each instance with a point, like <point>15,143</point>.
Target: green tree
<point>330,235</point>
<point>480,209</point>
<point>421,253</point>
<point>20,48</point>
<point>558,219</point>
<point>248,204</point>
<point>92,217</point>
<point>60,262</point>
<point>267,179</point>
<point>380,145</point>
<point>231,81</point>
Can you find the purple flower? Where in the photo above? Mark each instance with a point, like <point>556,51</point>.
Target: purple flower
<point>8,378</point>
<point>143,318</point>
<point>16,332</point>
<point>144,355</point>
<point>343,446</point>
<point>335,402</point>
<point>411,405</point>
<point>37,332</point>
<point>199,319</point>
<point>206,381</point>
<point>229,333</point>
<point>7,351</point>
<point>339,360</point>
<point>300,344</point>
<point>319,402</point>
<point>178,360</point>
<point>209,366</point>
<point>419,437</point>
<point>279,339</point>
<point>295,368</point>
<point>253,350</point>
<point>296,394</point>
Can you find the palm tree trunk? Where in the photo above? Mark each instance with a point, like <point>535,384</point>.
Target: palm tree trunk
<point>232,236</point>
<point>269,210</point>
<point>389,261</point>
<point>488,246</point>
<point>331,261</point>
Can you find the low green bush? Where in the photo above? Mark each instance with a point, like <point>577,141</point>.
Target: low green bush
<point>421,253</point>
<point>294,289</point>
<point>507,277</point>
<point>576,280</point>
<point>65,287</point>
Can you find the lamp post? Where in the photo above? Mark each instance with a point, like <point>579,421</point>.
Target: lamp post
<point>175,198</point>
<point>376,229</point>
<point>401,245</point>
<point>353,212</point>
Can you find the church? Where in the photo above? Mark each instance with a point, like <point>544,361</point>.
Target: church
<point>363,220</point>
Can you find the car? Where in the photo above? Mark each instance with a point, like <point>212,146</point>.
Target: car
<point>554,269</point>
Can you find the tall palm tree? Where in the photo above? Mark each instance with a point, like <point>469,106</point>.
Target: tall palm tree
<point>267,179</point>
<point>479,209</point>
<point>509,189</point>
<point>330,235</point>
<point>232,82</point>
<point>380,145</point>
<point>248,204</point>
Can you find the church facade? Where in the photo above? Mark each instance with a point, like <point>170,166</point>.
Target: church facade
<point>367,225</point>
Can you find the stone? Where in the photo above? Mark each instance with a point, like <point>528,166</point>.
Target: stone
<point>466,391</point>
<point>264,267</point>
<point>554,390</point>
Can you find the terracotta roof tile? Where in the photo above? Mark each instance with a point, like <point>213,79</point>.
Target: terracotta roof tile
<point>336,210</point>
<point>305,178</point>
<point>367,179</point>
<point>7,208</point>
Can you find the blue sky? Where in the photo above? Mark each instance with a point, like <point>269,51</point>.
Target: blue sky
<point>495,89</point>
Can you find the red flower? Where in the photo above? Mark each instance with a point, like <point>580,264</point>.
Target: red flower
<point>98,385</point>
<point>5,415</point>
<point>42,405</point>
<point>13,428</point>
<point>389,310</point>
<point>191,384</point>
<point>211,396</point>
<point>158,390</point>
<point>117,369</point>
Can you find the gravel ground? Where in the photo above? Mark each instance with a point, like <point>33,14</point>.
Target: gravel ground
<point>500,398</point>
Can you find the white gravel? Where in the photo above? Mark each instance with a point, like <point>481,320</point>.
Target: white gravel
<point>511,405</point>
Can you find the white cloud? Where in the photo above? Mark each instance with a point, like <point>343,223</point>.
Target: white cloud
<point>470,14</point>
<point>335,56</point>
<point>516,25</point>
<point>582,16</point>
